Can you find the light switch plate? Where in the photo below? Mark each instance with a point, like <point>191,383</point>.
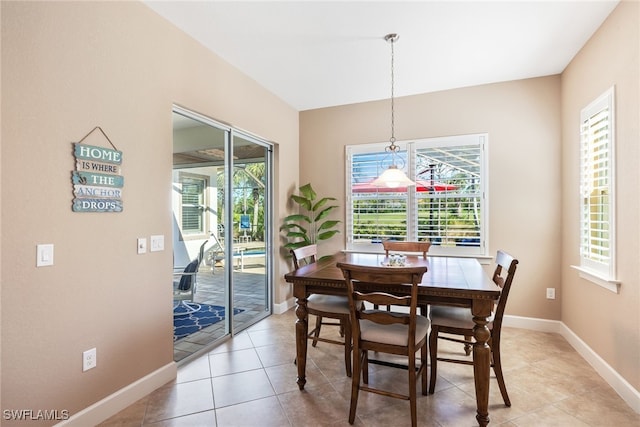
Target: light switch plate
<point>44,255</point>
<point>157,243</point>
<point>142,245</point>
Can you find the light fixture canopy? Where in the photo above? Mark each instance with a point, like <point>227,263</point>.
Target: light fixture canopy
<point>393,176</point>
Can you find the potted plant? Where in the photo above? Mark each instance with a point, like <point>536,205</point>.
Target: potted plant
<point>310,225</point>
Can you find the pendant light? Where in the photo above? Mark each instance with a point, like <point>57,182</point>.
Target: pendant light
<point>393,176</point>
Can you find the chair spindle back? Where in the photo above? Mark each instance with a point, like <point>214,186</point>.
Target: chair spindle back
<point>304,255</point>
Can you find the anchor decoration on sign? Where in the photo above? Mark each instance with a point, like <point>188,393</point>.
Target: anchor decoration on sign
<point>97,180</point>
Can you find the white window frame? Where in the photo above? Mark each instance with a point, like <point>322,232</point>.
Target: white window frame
<point>599,271</point>
<point>204,217</point>
<point>411,148</point>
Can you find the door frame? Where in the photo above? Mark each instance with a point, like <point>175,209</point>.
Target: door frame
<point>229,134</point>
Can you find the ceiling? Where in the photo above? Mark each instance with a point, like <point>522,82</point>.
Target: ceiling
<point>315,54</point>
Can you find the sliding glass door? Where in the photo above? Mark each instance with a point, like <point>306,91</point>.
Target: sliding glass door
<point>250,218</point>
<point>221,209</point>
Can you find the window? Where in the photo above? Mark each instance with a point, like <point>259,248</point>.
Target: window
<point>193,204</point>
<point>597,218</point>
<point>446,207</point>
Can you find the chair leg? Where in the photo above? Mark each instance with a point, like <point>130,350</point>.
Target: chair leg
<point>316,331</point>
<point>497,368</point>
<point>189,308</point>
<point>433,358</point>
<point>358,356</point>
<point>346,326</point>
<point>365,367</point>
<point>423,366</point>
<point>467,347</point>
<point>412,389</point>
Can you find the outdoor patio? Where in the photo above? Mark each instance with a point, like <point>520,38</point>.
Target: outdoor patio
<point>249,296</point>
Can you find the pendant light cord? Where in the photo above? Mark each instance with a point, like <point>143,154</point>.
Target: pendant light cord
<point>393,148</point>
<point>393,138</point>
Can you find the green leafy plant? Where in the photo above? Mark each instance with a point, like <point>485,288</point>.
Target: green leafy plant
<point>310,225</point>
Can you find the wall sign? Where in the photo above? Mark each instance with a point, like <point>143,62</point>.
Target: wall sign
<point>97,180</point>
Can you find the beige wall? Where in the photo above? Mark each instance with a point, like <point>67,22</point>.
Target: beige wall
<point>522,119</point>
<point>67,67</point>
<point>609,323</point>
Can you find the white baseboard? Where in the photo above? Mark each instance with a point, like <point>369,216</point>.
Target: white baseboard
<point>284,306</point>
<point>532,323</point>
<point>116,402</point>
<point>610,375</point>
<point>626,391</point>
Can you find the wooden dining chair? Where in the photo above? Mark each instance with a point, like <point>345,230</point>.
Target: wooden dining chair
<point>385,331</point>
<point>458,321</point>
<point>407,247</point>
<point>326,306</point>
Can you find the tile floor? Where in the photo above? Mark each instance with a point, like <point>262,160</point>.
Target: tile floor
<point>250,381</point>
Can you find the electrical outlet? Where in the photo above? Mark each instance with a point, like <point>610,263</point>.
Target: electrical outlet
<point>89,359</point>
<point>551,293</point>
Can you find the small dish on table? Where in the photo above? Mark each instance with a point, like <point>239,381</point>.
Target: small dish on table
<point>395,260</point>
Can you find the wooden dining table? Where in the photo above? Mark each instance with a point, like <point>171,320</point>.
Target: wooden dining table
<point>448,281</point>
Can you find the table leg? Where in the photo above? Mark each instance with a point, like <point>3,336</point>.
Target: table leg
<point>481,359</point>
<point>302,328</point>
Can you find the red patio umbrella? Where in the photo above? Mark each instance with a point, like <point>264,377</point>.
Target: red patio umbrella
<point>421,186</point>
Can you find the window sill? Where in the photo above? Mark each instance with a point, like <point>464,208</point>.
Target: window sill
<point>199,236</point>
<point>590,275</point>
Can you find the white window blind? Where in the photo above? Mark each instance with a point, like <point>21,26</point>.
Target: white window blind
<point>597,226</point>
<point>446,207</point>
<point>450,212</point>
<point>193,204</point>
<point>374,213</point>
